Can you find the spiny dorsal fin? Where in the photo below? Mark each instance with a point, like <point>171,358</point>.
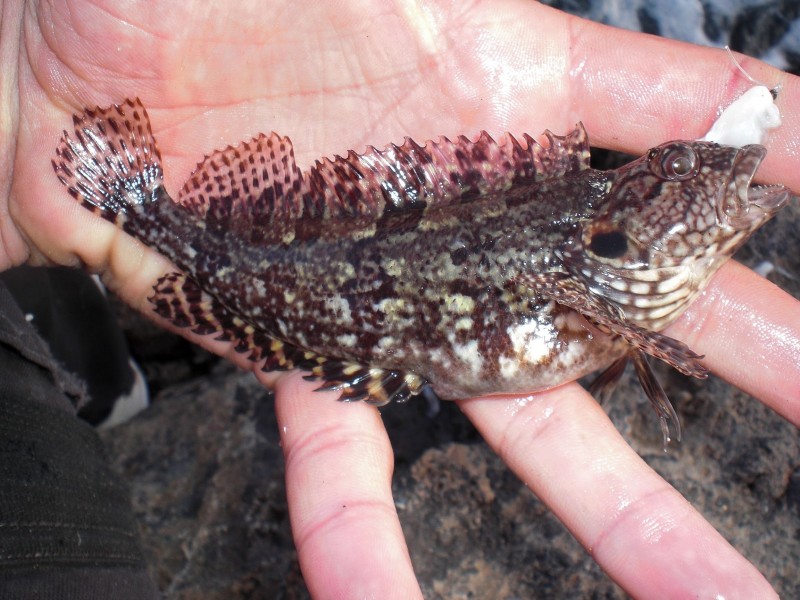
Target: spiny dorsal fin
<point>246,188</point>
<point>438,173</point>
<point>257,190</point>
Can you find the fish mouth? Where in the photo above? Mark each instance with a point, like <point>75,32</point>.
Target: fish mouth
<point>745,205</point>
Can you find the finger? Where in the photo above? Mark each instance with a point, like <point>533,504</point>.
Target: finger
<point>749,331</point>
<point>643,533</point>
<point>338,479</point>
<point>634,91</point>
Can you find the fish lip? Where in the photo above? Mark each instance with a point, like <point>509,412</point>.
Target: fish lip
<point>744,205</point>
<point>769,198</point>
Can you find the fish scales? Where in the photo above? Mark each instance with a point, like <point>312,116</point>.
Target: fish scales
<point>475,267</point>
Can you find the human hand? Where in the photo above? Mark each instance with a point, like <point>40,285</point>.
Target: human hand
<point>335,77</point>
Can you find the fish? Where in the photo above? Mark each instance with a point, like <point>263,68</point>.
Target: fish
<point>466,267</point>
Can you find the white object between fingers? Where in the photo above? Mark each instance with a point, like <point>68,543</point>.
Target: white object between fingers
<point>746,120</point>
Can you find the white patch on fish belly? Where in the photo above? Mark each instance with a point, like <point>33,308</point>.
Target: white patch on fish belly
<point>509,367</point>
<point>469,354</point>
<point>532,341</point>
<point>438,357</point>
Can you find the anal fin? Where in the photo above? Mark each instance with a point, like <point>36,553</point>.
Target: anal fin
<point>180,300</point>
<point>373,385</point>
<point>183,303</point>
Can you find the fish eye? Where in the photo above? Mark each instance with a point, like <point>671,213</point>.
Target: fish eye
<point>677,162</point>
<point>608,244</point>
<point>680,166</point>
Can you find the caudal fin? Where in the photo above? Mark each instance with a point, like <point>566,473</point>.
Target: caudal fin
<point>112,165</point>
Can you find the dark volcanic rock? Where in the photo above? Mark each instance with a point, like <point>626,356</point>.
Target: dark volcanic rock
<point>206,473</point>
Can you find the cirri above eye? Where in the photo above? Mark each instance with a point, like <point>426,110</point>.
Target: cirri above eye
<point>609,244</point>
<point>676,162</point>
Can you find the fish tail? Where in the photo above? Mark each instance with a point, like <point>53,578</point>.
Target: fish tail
<point>112,165</point>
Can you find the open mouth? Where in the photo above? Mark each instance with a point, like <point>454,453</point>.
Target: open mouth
<point>746,206</point>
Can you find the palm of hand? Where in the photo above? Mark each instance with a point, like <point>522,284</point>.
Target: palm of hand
<point>339,77</point>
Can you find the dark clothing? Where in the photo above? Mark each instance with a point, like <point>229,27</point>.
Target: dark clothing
<point>66,527</point>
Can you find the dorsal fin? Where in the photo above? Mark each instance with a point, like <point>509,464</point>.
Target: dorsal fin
<point>246,188</point>
<point>256,190</point>
<point>438,173</point>
<point>112,165</point>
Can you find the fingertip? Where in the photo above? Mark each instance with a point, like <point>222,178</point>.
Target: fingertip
<point>338,478</point>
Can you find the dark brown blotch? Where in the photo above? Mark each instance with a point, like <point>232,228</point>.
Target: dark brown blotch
<point>459,256</point>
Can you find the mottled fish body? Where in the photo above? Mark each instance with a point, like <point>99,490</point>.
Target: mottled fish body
<point>478,267</point>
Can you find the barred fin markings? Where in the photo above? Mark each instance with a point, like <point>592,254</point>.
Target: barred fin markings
<point>112,165</point>
<point>572,294</point>
<point>608,318</point>
<point>372,385</point>
<point>252,188</point>
<point>180,300</point>
<point>438,173</point>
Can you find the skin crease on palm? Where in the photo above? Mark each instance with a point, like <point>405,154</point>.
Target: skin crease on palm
<point>340,75</point>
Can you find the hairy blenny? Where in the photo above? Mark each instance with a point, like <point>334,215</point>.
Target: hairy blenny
<point>476,267</point>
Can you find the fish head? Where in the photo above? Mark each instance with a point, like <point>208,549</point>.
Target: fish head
<point>670,219</point>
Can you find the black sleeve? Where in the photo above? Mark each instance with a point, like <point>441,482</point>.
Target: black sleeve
<point>66,526</point>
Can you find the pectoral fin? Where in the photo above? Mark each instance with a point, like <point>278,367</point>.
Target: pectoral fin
<point>573,294</point>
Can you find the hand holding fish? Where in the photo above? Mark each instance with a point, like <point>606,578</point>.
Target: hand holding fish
<point>347,77</point>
